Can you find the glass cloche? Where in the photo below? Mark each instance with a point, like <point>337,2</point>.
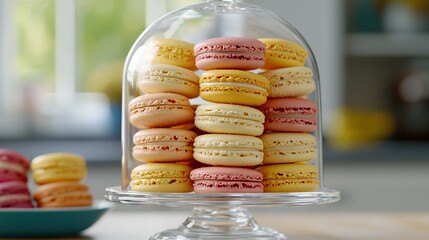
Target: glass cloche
<point>221,111</point>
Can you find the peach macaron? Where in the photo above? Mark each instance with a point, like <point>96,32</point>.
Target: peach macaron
<point>163,145</point>
<point>157,110</point>
<point>63,194</point>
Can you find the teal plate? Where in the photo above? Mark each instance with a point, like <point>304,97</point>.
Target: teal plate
<point>54,222</point>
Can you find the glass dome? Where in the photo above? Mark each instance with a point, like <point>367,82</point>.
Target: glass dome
<point>194,25</point>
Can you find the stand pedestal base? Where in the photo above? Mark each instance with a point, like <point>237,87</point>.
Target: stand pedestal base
<point>219,223</point>
<point>221,216</point>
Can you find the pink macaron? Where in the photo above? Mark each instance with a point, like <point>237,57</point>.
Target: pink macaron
<point>226,180</point>
<point>289,115</point>
<point>14,194</point>
<point>230,53</point>
<point>13,166</point>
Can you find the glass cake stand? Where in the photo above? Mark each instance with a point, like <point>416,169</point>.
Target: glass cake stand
<point>214,216</point>
<point>220,216</point>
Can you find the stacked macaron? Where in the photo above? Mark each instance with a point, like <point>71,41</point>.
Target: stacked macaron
<point>59,178</point>
<point>14,192</point>
<point>163,116</point>
<point>231,146</point>
<point>241,106</point>
<point>289,119</point>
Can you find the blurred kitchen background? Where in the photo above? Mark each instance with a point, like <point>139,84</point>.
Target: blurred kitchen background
<point>60,87</point>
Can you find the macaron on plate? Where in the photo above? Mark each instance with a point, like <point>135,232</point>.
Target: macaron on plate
<point>50,222</point>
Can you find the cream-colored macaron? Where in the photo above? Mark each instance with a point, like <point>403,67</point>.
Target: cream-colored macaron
<point>290,82</point>
<point>228,150</point>
<point>289,147</point>
<point>229,118</point>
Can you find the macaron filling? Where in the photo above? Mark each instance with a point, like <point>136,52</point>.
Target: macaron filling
<point>200,49</point>
<point>233,84</point>
<point>13,167</point>
<point>14,197</point>
<point>231,55</point>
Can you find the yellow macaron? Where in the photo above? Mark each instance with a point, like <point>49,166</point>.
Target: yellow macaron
<point>56,167</point>
<point>161,177</point>
<point>234,86</point>
<point>170,51</point>
<point>282,53</point>
<point>290,177</point>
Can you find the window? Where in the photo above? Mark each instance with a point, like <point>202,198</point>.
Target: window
<point>61,59</point>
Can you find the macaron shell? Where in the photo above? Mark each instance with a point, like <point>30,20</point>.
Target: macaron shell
<point>290,177</point>
<point>210,186</point>
<point>10,156</point>
<point>163,145</point>
<point>247,61</point>
<point>15,194</point>
<point>161,170</point>
<point>170,51</point>
<point>162,78</point>
<point>164,185</point>
<point>63,194</point>
<point>290,82</point>
<point>228,118</point>
<point>281,53</point>
<point>288,147</point>
<point>7,174</point>
<point>226,174</point>
<point>43,176</point>
<point>290,115</point>
<point>228,150</point>
<point>230,53</point>
<point>234,86</point>
<point>161,177</point>
<point>157,135</point>
<point>155,110</point>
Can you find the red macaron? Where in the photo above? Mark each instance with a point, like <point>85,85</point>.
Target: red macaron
<point>15,194</point>
<point>13,166</point>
